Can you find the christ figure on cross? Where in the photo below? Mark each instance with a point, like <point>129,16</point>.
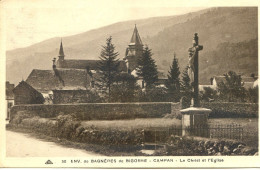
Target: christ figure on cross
<point>194,69</point>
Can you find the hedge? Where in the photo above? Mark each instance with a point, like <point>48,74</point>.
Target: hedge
<point>67,127</point>
<point>231,110</point>
<point>100,111</point>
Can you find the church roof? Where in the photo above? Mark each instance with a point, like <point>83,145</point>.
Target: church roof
<point>47,80</point>
<point>91,64</point>
<point>136,40</point>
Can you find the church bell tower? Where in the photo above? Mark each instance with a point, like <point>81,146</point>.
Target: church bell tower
<point>61,63</point>
<point>133,51</point>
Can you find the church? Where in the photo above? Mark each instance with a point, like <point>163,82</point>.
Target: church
<point>71,77</point>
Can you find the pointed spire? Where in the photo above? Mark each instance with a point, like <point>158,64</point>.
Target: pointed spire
<point>61,53</point>
<point>136,40</point>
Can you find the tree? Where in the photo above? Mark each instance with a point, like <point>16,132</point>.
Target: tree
<point>124,88</point>
<point>155,94</point>
<point>232,89</point>
<point>173,81</point>
<point>147,69</point>
<point>208,94</point>
<point>108,66</point>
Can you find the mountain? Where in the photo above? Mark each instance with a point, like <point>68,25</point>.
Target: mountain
<point>240,57</point>
<point>164,35</point>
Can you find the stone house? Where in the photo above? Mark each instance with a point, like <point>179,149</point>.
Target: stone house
<point>26,94</point>
<point>9,98</point>
<point>248,82</point>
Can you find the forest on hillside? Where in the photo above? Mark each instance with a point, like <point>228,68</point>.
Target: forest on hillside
<point>240,57</point>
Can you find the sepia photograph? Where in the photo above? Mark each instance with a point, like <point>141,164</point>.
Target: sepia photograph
<point>129,84</point>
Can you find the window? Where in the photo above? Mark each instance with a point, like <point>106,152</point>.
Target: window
<point>10,104</point>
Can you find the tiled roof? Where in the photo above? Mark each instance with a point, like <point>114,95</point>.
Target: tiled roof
<point>23,84</point>
<point>47,80</point>
<point>91,64</point>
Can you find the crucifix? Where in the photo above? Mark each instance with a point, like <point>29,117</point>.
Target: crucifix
<point>194,70</point>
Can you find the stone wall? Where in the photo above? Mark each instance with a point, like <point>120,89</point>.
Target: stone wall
<point>100,111</point>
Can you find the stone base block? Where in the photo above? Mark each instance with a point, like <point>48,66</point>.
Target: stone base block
<point>195,121</point>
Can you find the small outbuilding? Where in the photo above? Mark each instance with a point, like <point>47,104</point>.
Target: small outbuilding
<point>26,94</point>
<point>9,98</point>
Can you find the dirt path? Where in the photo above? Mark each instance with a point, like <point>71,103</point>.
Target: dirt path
<point>23,145</point>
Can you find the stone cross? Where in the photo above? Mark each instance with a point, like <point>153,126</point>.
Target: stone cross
<point>194,70</point>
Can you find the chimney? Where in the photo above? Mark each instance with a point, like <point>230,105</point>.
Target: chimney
<point>54,63</point>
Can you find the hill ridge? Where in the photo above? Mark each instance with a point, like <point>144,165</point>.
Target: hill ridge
<point>164,35</point>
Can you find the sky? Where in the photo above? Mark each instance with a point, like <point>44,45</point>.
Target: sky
<point>28,22</point>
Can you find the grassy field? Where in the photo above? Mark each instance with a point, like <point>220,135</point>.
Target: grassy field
<point>131,124</point>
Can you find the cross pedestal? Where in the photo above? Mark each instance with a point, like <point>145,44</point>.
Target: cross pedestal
<point>195,118</point>
<point>195,121</point>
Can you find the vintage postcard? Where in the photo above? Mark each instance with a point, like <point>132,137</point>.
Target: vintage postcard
<point>129,84</point>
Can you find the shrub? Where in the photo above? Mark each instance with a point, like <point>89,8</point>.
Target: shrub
<point>67,127</point>
<point>231,110</point>
<point>185,146</point>
<point>40,125</point>
<point>208,94</point>
<point>252,95</point>
<point>19,116</point>
<point>98,111</point>
<point>155,94</point>
<point>173,116</point>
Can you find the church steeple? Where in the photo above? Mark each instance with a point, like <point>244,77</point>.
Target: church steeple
<point>61,53</point>
<point>136,40</point>
<point>61,63</point>
<point>134,51</point>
